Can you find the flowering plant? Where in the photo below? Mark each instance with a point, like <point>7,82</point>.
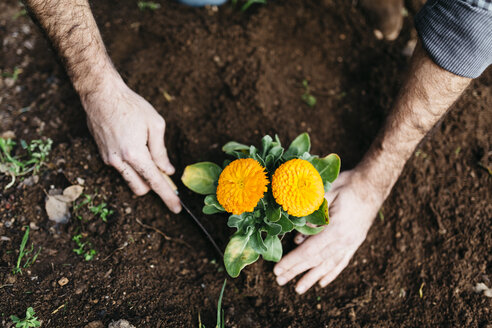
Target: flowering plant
<point>269,191</point>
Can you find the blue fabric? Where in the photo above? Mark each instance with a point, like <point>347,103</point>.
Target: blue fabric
<point>484,4</point>
<point>457,35</point>
<point>201,3</point>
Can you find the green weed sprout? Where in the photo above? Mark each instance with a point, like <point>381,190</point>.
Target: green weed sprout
<point>248,3</point>
<point>25,253</point>
<point>151,5</point>
<point>220,311</point>
<point>29,321</point>
<point>30,162</point>
<point>307,97</point>
<point>87,254</point>
<point>15,74</point>
<point>102,211</point>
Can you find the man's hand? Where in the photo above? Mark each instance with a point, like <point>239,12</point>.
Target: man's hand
<point>127,129</point>
<point>357,195</point>
<point>130,136</point>
<point>353,206</point>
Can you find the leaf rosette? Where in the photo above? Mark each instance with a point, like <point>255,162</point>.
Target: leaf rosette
<point>262,213</point>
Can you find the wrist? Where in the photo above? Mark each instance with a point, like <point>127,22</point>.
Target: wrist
<point>96,81</point>
<point>378,172</point>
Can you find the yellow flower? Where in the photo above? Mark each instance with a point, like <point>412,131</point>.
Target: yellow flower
<point>241,186</point>
<point>297,186</point>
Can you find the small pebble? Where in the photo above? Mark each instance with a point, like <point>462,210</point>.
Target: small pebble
<point>122,323</point>
<point>378,34</point>
<point>63,281</point>
<point>94,324</point>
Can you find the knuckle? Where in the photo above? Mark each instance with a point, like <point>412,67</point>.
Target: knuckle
<point>129,155</point>
<point>140,191</point>
<point>112,160</point>
<point>160,124</point>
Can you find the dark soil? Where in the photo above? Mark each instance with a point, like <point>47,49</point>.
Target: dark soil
<point>237,77</point>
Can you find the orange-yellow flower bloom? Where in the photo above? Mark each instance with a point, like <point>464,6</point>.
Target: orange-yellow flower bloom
<point>298,188</point>
<point>242,184</point>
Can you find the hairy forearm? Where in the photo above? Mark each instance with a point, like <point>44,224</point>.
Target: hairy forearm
<point>425,97</point>
<point>70,26</point>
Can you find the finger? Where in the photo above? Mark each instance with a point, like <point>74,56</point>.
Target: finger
<point>300,238</point>
<point>143,164</point>
<point>294,271</point>
<point>315,274</point>
<point>334,272</point>
<point>134,181</point>
<point>158,149</point>
<point>288,262</point>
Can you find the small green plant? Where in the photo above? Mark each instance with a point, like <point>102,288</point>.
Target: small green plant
<point>30,162</point>
<point>77,206</point>
<point>248,3</point>
<point>29,321</point>
<point>150,5</point>
<point>100,210</point>
<point>14,75</point>
<point>20,13</point>
<point>269,191</point>
<point>307,97</point>
<point>220,311</point>
<point>87,253</point>
<point>25,253</point>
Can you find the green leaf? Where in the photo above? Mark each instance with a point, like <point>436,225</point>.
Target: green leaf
<point>320,216</point>
<point>328,167</point>
<point>274,249</point>
<point>256,242</point>
<point>239,254</point>
<point>276,151</point>
<point>201,177</point>
<point>234,146</point>
<point>220,311</point>
<point>285,223</point>
<point>298,222</point>
<point>241,222</point>
<point>269,160</point>
<point>249,3</point>
<point>277,140</point>
<point>299,146</point>
<point>210,209</point>
<point>211,200</point>
<point>266,143</point>
<point>272,228</point>
<point>273,213</point>
<point>235,221</point>
<point>306,230</point>
<point>309,99</point>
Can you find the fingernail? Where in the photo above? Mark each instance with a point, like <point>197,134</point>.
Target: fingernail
<point>322,284</point>
<point>281,281</point>
<point>176,209</point>
<point>170,169</point>
<point>278,271</point>
<point>300,289</point>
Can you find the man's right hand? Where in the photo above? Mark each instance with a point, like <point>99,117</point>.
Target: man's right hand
<point>130,135</point>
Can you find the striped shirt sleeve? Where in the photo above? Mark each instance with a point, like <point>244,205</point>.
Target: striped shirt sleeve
<point>457,34</point>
